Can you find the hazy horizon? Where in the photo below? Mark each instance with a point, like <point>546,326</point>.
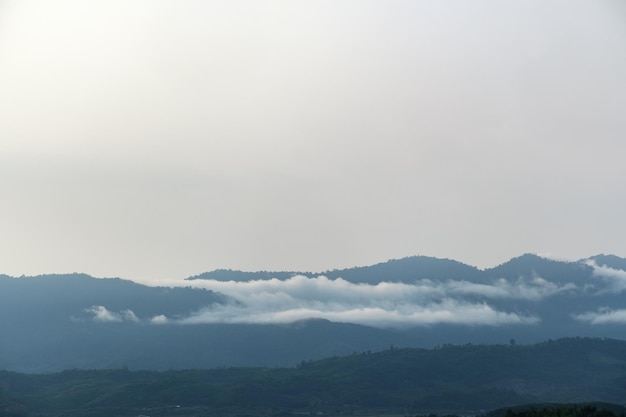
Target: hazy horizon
<point>156,140</point>
<point>176,280</point>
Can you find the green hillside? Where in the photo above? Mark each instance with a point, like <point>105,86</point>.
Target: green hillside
<point>448,379</point>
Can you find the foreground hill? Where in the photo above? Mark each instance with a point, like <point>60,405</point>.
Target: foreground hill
<point>233,318</point>
<point>449,379</point>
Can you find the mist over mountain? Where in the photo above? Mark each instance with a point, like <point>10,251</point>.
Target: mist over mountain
<point>422,291</point>
<point>233,318</point>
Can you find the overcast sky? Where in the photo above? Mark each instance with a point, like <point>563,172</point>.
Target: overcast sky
<point>153,139</point>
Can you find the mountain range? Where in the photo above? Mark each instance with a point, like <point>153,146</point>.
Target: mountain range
<point>232,318</point>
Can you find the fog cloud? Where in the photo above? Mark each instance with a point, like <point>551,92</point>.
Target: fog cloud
<point>401,315</point>
<point>615,279</point>
<point>160,319</point>
<point>534,289</point>
<point>386,304</point>
<point>323,288</point>
<point>604,315</point>
<point>100,313</point>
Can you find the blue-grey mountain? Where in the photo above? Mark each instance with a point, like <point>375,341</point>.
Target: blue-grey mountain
<point>55,322</point>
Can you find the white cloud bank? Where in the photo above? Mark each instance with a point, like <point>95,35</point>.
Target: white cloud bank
<point>386,304</point>
<point>102,314</point>
<point>340,290</point>
<point>535,289</point>
<point>604,315</point>
<point>401,315</point>
<point>615,279</point>
<point>615,283</point>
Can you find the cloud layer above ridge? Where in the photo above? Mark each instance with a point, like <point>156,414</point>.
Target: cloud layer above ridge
<point>386,304</point>
<point>389,304</point>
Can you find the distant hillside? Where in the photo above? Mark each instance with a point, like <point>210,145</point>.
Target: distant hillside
<point>70,295</point>
<point>466,379</point>
<point>242,276</point>
<point>530,265</point>
<point>56,322</point>
<point>398,270</point>
<point>610,261</point>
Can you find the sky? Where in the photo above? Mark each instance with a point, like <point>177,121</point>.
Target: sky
<point>154,140</point>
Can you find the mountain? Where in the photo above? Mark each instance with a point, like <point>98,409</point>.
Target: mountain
<point>231,318</point>
<point>73,294</point>
<point>467,379</point>
<point>242,276</point>
<point>530,265</point>
<point>398,270</point>
<point>611,261</point>
<point>55,322</point>
<point>528,296</point>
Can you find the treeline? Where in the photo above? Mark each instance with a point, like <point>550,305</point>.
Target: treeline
<point>469,379</point>
<point>554,410</point>
<point>563,410</point>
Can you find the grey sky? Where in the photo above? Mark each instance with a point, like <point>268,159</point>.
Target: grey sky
<point>160,139</point>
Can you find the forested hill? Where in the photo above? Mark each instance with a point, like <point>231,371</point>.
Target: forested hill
<point>447,379</point>
<point>230,318</point>
<point>413,268</point>
<point>397,270</point>
<point>65,296</point>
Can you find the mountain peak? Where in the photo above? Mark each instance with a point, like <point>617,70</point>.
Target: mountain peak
<point>529,265</point>
<point>611,261</point>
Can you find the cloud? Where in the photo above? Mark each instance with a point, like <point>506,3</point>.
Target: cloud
<point>614,278</point>
<point>401,315</point>
<point>100,313</point>
<point>604,315</point>
<point>340,290</point>
<point>386,304</point>
<point>160,319</point>
<point>322,288</point>
<point>535,289</point>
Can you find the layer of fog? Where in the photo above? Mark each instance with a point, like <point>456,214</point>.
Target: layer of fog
<point>386,304</point>
<point>614,280</point>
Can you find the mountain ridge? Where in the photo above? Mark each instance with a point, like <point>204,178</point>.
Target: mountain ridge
<point>451,268</point>
<point>58,322</point>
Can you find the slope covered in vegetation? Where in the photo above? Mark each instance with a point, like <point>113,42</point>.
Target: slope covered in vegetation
<point>449,379</point>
